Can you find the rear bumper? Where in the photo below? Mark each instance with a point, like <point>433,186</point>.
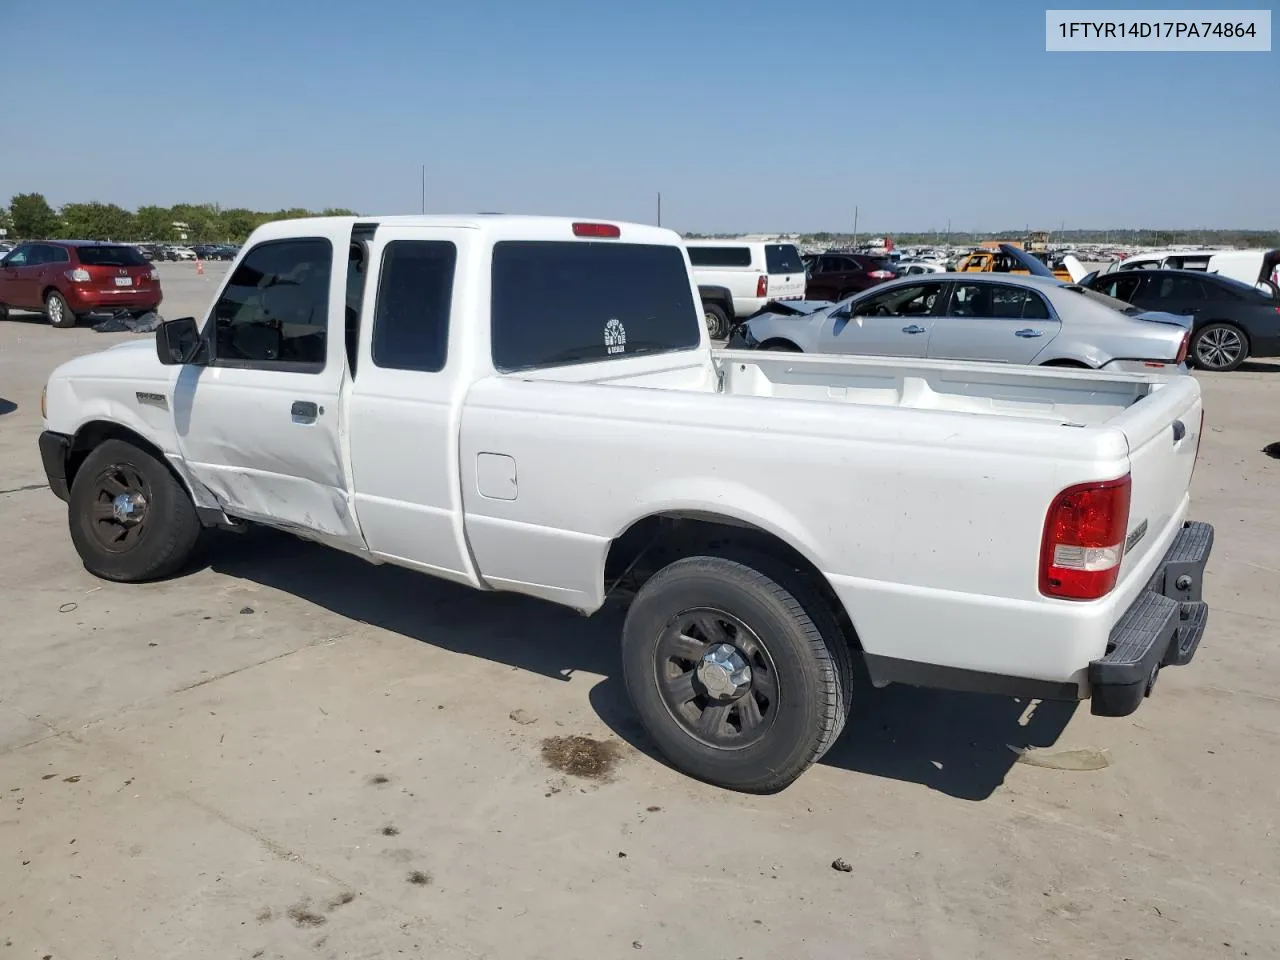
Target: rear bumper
<point>88,301</point>
<point>1161,628</point>
<point>53,455</point>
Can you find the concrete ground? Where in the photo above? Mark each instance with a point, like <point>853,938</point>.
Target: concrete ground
<point>289,753</point>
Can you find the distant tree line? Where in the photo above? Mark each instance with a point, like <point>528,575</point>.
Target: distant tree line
<point>30,217</point>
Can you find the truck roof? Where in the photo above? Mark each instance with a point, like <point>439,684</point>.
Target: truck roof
<point>499,225</point>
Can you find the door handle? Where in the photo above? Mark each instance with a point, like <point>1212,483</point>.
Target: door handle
<point>914,329</point>
<point>304,411</point>
<point>1028,333</point>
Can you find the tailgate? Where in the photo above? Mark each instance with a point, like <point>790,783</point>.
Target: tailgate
<point>1163,431</point>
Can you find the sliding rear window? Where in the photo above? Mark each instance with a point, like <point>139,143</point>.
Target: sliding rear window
<point>557,303</point>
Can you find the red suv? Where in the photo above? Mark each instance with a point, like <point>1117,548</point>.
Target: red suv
<point>68,279</point>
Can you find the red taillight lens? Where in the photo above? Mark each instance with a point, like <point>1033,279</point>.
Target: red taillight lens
<point>596,230</point>
<point>1083,541</point>
<point>1182,348</point>
<point>882,274</point>
<point>78,275</point>
<point>762,285</point>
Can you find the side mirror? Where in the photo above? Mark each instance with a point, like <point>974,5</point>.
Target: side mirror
<point>177,341</point>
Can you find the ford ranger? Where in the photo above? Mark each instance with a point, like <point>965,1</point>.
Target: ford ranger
<point>532,405</point>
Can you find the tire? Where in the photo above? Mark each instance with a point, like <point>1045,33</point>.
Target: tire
<point>757,737</point>
<point>1220,347</point>
<point>781,346</point>
<point>717,321</point>
<point>4,311</point>
<point>151,546</point>
<point>58,311</point>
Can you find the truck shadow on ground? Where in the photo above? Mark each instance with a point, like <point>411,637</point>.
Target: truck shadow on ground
<point>957,744</point>
<point>7,406</point>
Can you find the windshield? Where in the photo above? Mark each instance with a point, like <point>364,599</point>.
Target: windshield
<point>556,303</point>
<point>120,256</point>
<point>1126,308</point>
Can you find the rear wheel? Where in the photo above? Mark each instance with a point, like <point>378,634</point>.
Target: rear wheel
<point>738,671</point>
<point>58,310</point>
<point>130,518</point>
<point>717,321</point>
<point>782,346</point>
<point>1219,346</point>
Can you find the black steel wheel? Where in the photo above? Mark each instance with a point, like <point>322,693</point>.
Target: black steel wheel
<point>1219,346</point>
<point>131,519</point>
<point>716,678</point>
<point>739,672</point>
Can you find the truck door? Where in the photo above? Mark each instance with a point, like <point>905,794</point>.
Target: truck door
<point>403,428</point>
<point>887,323</point>
<point>259,424</point>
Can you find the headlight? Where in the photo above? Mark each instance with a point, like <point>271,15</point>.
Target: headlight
<point>44,402</point>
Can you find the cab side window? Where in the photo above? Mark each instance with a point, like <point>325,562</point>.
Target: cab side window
<point>274,312</point>
<point>415,293</point>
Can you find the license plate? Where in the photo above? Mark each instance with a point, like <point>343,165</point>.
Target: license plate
<point>124,281</point>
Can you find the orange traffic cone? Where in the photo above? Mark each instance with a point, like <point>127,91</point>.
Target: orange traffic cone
<point>199,267</point>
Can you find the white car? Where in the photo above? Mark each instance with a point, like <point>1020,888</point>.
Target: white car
<point>182,253</point>
<point>1258,267</point>
<point>530,405</point>
<point>911,268</point>
<point>737,278</point>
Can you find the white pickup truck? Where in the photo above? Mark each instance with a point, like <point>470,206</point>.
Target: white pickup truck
<point>531,405</point>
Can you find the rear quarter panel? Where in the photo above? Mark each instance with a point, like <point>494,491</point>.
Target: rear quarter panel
<point>927,524</point>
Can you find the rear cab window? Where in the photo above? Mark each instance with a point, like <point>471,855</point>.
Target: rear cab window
<point>739,256</point>
<point>782,258</point>
<point>559,303</point>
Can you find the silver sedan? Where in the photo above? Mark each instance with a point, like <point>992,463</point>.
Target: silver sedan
<point>1003,317</point>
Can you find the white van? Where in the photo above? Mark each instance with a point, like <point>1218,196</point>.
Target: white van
<point>738,278</point>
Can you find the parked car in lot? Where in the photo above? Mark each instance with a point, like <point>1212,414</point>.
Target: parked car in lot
<point>181,253</point>
<point>1005,318</point>
<point>771,519</point>
<point>1258,267</point>
<point>69,279</point>
<point>834,276</point>
<point>737,278</point>
<point>912,268</point>
<point>1231,321</point>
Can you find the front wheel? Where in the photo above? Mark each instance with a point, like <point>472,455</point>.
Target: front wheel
<point>1219,346</point>
<point>131,520</point>
<point>742,677</point>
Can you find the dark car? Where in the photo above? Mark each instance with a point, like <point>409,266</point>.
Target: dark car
<point>68,279</point>
<point>1231,320</point>
<point>834,276</point>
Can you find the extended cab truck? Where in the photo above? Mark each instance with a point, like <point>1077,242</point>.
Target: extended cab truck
<point>530,405</point>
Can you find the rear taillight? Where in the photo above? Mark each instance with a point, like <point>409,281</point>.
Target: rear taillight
<point>1182,348</point>
<point>762,285</point>
<point>1083,543</point>
<point>881,274</point>
<point>78,275</point>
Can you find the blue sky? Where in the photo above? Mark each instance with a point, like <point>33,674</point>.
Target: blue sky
<point>746,115</point>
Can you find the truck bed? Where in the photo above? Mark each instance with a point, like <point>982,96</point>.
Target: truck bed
<point>1056,395</point>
